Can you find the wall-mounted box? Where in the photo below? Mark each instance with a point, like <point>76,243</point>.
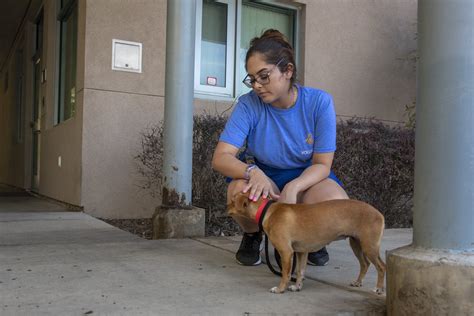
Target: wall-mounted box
<point>126,56</point>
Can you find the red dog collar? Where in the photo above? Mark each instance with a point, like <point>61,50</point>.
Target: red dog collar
<point>260,210</point>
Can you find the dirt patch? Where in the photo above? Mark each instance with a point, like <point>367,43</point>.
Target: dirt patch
<point>141,227</point>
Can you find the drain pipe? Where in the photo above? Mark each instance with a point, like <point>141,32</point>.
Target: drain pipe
<point>176,218</point>
<point>434,275</point>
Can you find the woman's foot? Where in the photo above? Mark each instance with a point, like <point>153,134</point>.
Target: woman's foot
<point>318,258</point>
<point>249,250</point>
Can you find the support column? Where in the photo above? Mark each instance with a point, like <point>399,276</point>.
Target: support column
<point>176,218</point>
<point>435,275</point>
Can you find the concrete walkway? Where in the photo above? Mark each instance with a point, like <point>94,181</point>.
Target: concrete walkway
<point>54,262</point>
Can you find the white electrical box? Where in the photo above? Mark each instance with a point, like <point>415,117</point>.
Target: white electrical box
<point>126,56</point>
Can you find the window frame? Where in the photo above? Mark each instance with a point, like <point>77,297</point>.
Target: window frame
<point>230,55</point>
<point>234,30</point>
<point>65,11</point>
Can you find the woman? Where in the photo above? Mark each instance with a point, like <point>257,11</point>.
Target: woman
<point>289,130</point>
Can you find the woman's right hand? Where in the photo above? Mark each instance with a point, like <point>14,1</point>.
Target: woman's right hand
<point>226,162</point>
<point>261,185</point>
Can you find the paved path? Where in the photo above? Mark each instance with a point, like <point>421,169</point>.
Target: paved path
<point>54,262</point>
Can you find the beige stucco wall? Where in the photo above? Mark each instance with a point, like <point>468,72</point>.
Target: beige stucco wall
<point>358,50</point>
<point>118,105</point>
<point>113,123</point>
<point>64,139</point>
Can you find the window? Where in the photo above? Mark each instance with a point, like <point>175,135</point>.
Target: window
<point>67,18</point>
<point>224,29</point>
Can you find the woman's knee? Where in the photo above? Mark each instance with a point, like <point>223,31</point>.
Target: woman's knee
<point>325,190</point>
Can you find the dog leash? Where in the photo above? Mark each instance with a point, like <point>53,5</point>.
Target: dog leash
<point>260,216</point>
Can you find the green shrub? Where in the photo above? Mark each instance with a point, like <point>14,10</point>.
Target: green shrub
<point>376,164</point>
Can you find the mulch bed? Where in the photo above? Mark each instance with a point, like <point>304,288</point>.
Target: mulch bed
<point>142,227</point>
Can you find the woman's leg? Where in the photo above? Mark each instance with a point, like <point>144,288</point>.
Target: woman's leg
<point>249,249</point>
<point>327,189</point>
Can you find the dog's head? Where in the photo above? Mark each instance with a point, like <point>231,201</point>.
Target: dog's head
<point>242,206</point>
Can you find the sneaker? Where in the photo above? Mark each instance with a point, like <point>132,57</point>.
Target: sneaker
<point>249,250</point>
<point>318,258</point>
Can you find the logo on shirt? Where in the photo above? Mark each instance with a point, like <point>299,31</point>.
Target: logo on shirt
<point>309,139</point>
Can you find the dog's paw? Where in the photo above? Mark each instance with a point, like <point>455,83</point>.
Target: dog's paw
<point>356,283</point>
<point>276,290</point>
<point>295,288</point>
<point>379,290</point>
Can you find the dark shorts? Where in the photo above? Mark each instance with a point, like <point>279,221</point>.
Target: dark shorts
<point>282,176</point>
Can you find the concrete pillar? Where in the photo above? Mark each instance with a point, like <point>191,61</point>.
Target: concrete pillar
<point>435,275</point>
<point>176,218</point>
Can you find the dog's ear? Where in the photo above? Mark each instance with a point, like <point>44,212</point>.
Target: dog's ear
<point>237,195</point>
<point>241,201</point>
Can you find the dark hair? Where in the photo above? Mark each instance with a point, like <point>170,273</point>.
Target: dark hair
<point>275,47</point>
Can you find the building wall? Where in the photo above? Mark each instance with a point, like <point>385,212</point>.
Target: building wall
<point>362,52</point>
<point>118,106</point>
<point>359,51</point>
<point>64,139</point>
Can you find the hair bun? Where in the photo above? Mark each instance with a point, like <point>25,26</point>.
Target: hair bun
<point>272,35</point>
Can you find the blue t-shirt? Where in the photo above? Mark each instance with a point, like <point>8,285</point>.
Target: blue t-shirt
<point>283,138</point>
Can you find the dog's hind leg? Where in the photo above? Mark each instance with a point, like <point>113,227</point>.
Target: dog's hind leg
<point>374,257</point>
<point>364,263</point>
<point>301,261</point>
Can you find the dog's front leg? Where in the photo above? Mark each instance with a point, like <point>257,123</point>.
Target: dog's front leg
<point>286,262</point>
<point>301,261</point>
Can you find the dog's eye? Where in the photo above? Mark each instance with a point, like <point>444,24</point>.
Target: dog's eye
<point>245,204</point>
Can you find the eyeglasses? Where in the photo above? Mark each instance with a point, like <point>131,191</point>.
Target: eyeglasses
<point>263,78</point>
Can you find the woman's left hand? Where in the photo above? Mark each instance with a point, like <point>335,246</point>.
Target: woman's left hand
<point>289,194</point>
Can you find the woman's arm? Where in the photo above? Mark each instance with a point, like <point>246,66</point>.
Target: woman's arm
<point>318,171</point>
<point>226,162</point>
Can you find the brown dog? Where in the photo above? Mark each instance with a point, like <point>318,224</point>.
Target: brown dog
<point>303,228</point>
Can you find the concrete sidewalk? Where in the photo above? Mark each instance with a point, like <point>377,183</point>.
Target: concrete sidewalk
<point>54,262</point>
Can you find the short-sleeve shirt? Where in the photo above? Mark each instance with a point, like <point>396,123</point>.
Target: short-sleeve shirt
<point>283,138</point>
